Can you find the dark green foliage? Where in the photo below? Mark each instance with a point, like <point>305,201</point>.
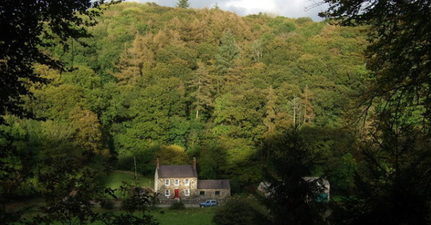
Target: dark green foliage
<point>70,196</point>
<point>237,211</point>
<point>289,197</point>
<point>107,204</point>
<point>27,26</point>
<point>110,218</point>
<point>10,217</point>
<point>212,161</point>
<point>228,52</point>
<point>392,181</point>
<point>183,4</point>
<point>340,164</point>
<point>285,28</point>
<point>178,205</point>
<point>136,203</point>
<point>399,55</point>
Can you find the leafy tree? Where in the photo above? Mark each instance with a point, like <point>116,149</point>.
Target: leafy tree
<point>87,129</point>
<point>134,61</point>
<point>237,211</point>
<point>172,155</point>
<point>289,197</point>
<point>212,161</point>
<point>269,119</point>
<point>398,94</point>
<point>91,87</point>
<point>28,26</point>
<point>399,53</point>
<point>68,193</point>
<point>228,52</point>
<point>183,4</point>
<point>202,83</point>
<point>392,180</point>
<point>307,107</point>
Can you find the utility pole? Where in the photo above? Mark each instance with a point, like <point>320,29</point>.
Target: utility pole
<point>136,182</point>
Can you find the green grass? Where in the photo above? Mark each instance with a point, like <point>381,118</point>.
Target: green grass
<point>189,216</point>
<point>165,216</point>
<point>115,178</point>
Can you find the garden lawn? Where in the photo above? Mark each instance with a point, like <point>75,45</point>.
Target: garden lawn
<point>115,178</point>
<point>188,216</point>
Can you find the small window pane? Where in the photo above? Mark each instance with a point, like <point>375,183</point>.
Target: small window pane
<point>167,182</point>
<point>217,192</point>
<point>187,192</point>
<point>201,192</point>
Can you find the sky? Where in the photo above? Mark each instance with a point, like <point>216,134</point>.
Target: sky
<point>286,8</point>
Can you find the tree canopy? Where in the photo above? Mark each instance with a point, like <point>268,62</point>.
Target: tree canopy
<point>151,81</point>
<point>183,4</point>
<point>397,104</point>
<point>211,82</point>
<point>399,53</point>
<point>29,26</point>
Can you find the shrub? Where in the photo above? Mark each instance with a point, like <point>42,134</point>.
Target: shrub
<point>107,204</point>
<point>177,205</point>
<point>237,211</point>
<point>136,202</point>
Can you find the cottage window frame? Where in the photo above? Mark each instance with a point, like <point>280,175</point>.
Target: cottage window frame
<point>167,192</point>
<point>186,182</point>
<point>167,182</point>
<point>217,193</point>
<point>177,182</point>
<point>187,192</point>
<point>202,193</point>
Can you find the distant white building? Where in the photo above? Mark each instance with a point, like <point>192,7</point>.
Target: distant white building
<point>264,186</point>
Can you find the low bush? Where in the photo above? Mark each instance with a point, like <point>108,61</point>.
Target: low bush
<point>238,211</point>
<point>107,204</point>
<point>177,205</point>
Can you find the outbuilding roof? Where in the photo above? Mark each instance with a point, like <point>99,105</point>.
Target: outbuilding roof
<point>172,171</point>
<point>325,182</point>
<point>213,184</point>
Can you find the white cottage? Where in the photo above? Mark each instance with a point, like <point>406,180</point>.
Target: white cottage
<point>181,181</point>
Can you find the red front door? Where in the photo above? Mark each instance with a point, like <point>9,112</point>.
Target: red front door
<point>177,193</point>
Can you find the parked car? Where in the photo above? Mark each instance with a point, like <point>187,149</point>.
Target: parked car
<point>208,203</point>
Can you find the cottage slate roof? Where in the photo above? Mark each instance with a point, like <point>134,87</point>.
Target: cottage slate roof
<point>311,179</point>
<point>213,184</point>
<point>172,171</point>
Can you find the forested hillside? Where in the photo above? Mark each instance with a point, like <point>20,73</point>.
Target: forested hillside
<point>178,83</point>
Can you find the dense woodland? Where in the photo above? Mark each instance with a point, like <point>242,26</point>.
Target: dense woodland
<point>260,97</point>
<point>176,83</point>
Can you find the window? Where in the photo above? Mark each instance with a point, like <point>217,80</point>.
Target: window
<point>217,192</point>
<point>187,192</point>
<point>187,182</point>
<point>167,182</point>
<point>176,182</point>
<point>167,193</point>
<point>201,192</point>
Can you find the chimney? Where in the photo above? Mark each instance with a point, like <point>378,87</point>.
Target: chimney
<point>194,162</point>
<point>157,163</point>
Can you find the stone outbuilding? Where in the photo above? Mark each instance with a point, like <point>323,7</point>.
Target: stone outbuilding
<point>215,189</point>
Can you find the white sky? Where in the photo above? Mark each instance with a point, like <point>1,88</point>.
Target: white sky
<point>287,8</point>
